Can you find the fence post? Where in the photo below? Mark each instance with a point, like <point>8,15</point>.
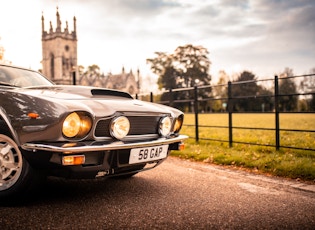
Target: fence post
<point>230,110</point>
<point>196,113</point>
<point>171,97</point>
<point>74,81</point>
<point>151,97</point>
<point>277,123</point>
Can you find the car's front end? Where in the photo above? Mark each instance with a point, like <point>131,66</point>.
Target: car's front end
<point>77,131</point>
<point>91,145</point>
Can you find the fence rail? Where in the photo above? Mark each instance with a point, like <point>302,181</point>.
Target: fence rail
<point>230,101</point>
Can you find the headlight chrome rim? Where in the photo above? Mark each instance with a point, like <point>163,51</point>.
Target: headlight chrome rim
<point>178,124</point>
<point>165,126</point>
<point>119,127</point>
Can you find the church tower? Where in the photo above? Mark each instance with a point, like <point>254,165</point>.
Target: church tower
<point>59,52</point>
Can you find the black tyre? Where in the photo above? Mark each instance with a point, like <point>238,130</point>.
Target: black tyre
<point>16,175</point>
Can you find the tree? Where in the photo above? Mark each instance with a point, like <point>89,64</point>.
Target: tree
<point>249,96</point>
<point>267,99</point>
<point>93,70</point>
<point>307,86</point>
<point>219,92</point>
<point>245,86</point>
<point>192,64</point>
<point>81,70</point>
<point>287,89</point>
<point>186,67</point>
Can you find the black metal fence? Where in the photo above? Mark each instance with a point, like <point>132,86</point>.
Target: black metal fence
<point>274,101</point>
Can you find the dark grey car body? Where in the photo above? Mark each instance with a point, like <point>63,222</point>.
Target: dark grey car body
<point>32,140</point>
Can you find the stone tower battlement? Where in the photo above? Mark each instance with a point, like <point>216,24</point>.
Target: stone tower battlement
<point>59,47</point>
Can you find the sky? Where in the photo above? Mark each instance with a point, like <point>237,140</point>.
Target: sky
<point>261,36</point>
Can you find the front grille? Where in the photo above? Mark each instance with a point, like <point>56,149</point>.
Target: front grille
<point>102,128</point>
<point>139,125</point>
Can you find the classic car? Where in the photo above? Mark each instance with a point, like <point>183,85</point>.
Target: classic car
<point>77,131</point>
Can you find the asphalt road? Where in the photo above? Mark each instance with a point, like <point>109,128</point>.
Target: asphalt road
<point>176,195</point>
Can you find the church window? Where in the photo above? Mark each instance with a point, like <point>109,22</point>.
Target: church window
<point>52,66</point>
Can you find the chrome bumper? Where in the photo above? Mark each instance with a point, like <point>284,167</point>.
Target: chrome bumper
<point>99,146</point>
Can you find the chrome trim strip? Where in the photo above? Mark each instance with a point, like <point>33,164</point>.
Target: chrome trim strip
<point>101,147</point>
<point>129,137</point>
<point>34,128</point>
<point>143,137</point>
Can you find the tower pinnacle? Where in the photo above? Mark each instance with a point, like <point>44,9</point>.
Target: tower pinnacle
<point>58,29</point>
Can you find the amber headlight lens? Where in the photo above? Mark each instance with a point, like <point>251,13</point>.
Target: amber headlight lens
<point>120,127</point>
<point>76,125</point>
<point>165,126</point>
<point>178,124</point>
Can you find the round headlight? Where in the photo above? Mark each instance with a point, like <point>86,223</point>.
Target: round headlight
<point>76,125</point>
<point>120,127</point>
<point>165,126</point>
<point>71,125</point>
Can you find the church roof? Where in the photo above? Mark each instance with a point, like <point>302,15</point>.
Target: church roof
<point>120,81</point>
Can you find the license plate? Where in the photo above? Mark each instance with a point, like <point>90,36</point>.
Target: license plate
<point>148,154</point>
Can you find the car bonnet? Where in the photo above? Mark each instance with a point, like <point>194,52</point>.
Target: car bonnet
<point>96,100</point>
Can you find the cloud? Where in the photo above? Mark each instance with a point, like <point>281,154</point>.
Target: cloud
<point>260,35</point>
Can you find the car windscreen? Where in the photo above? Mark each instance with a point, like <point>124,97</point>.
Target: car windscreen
<point>17,77</point>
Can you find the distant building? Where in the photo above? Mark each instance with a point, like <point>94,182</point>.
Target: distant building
<point>124,81</point>
<point>127,82</point>
<point>60,61</point>
<point>59,52</point>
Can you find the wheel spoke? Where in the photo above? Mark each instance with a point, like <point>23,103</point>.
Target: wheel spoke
<point>10,165</point>
<point>4,150</point>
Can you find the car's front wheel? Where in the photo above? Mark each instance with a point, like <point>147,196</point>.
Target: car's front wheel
<point>15,173</point>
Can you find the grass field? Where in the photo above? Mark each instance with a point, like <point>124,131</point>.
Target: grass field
<point>285,162</point>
